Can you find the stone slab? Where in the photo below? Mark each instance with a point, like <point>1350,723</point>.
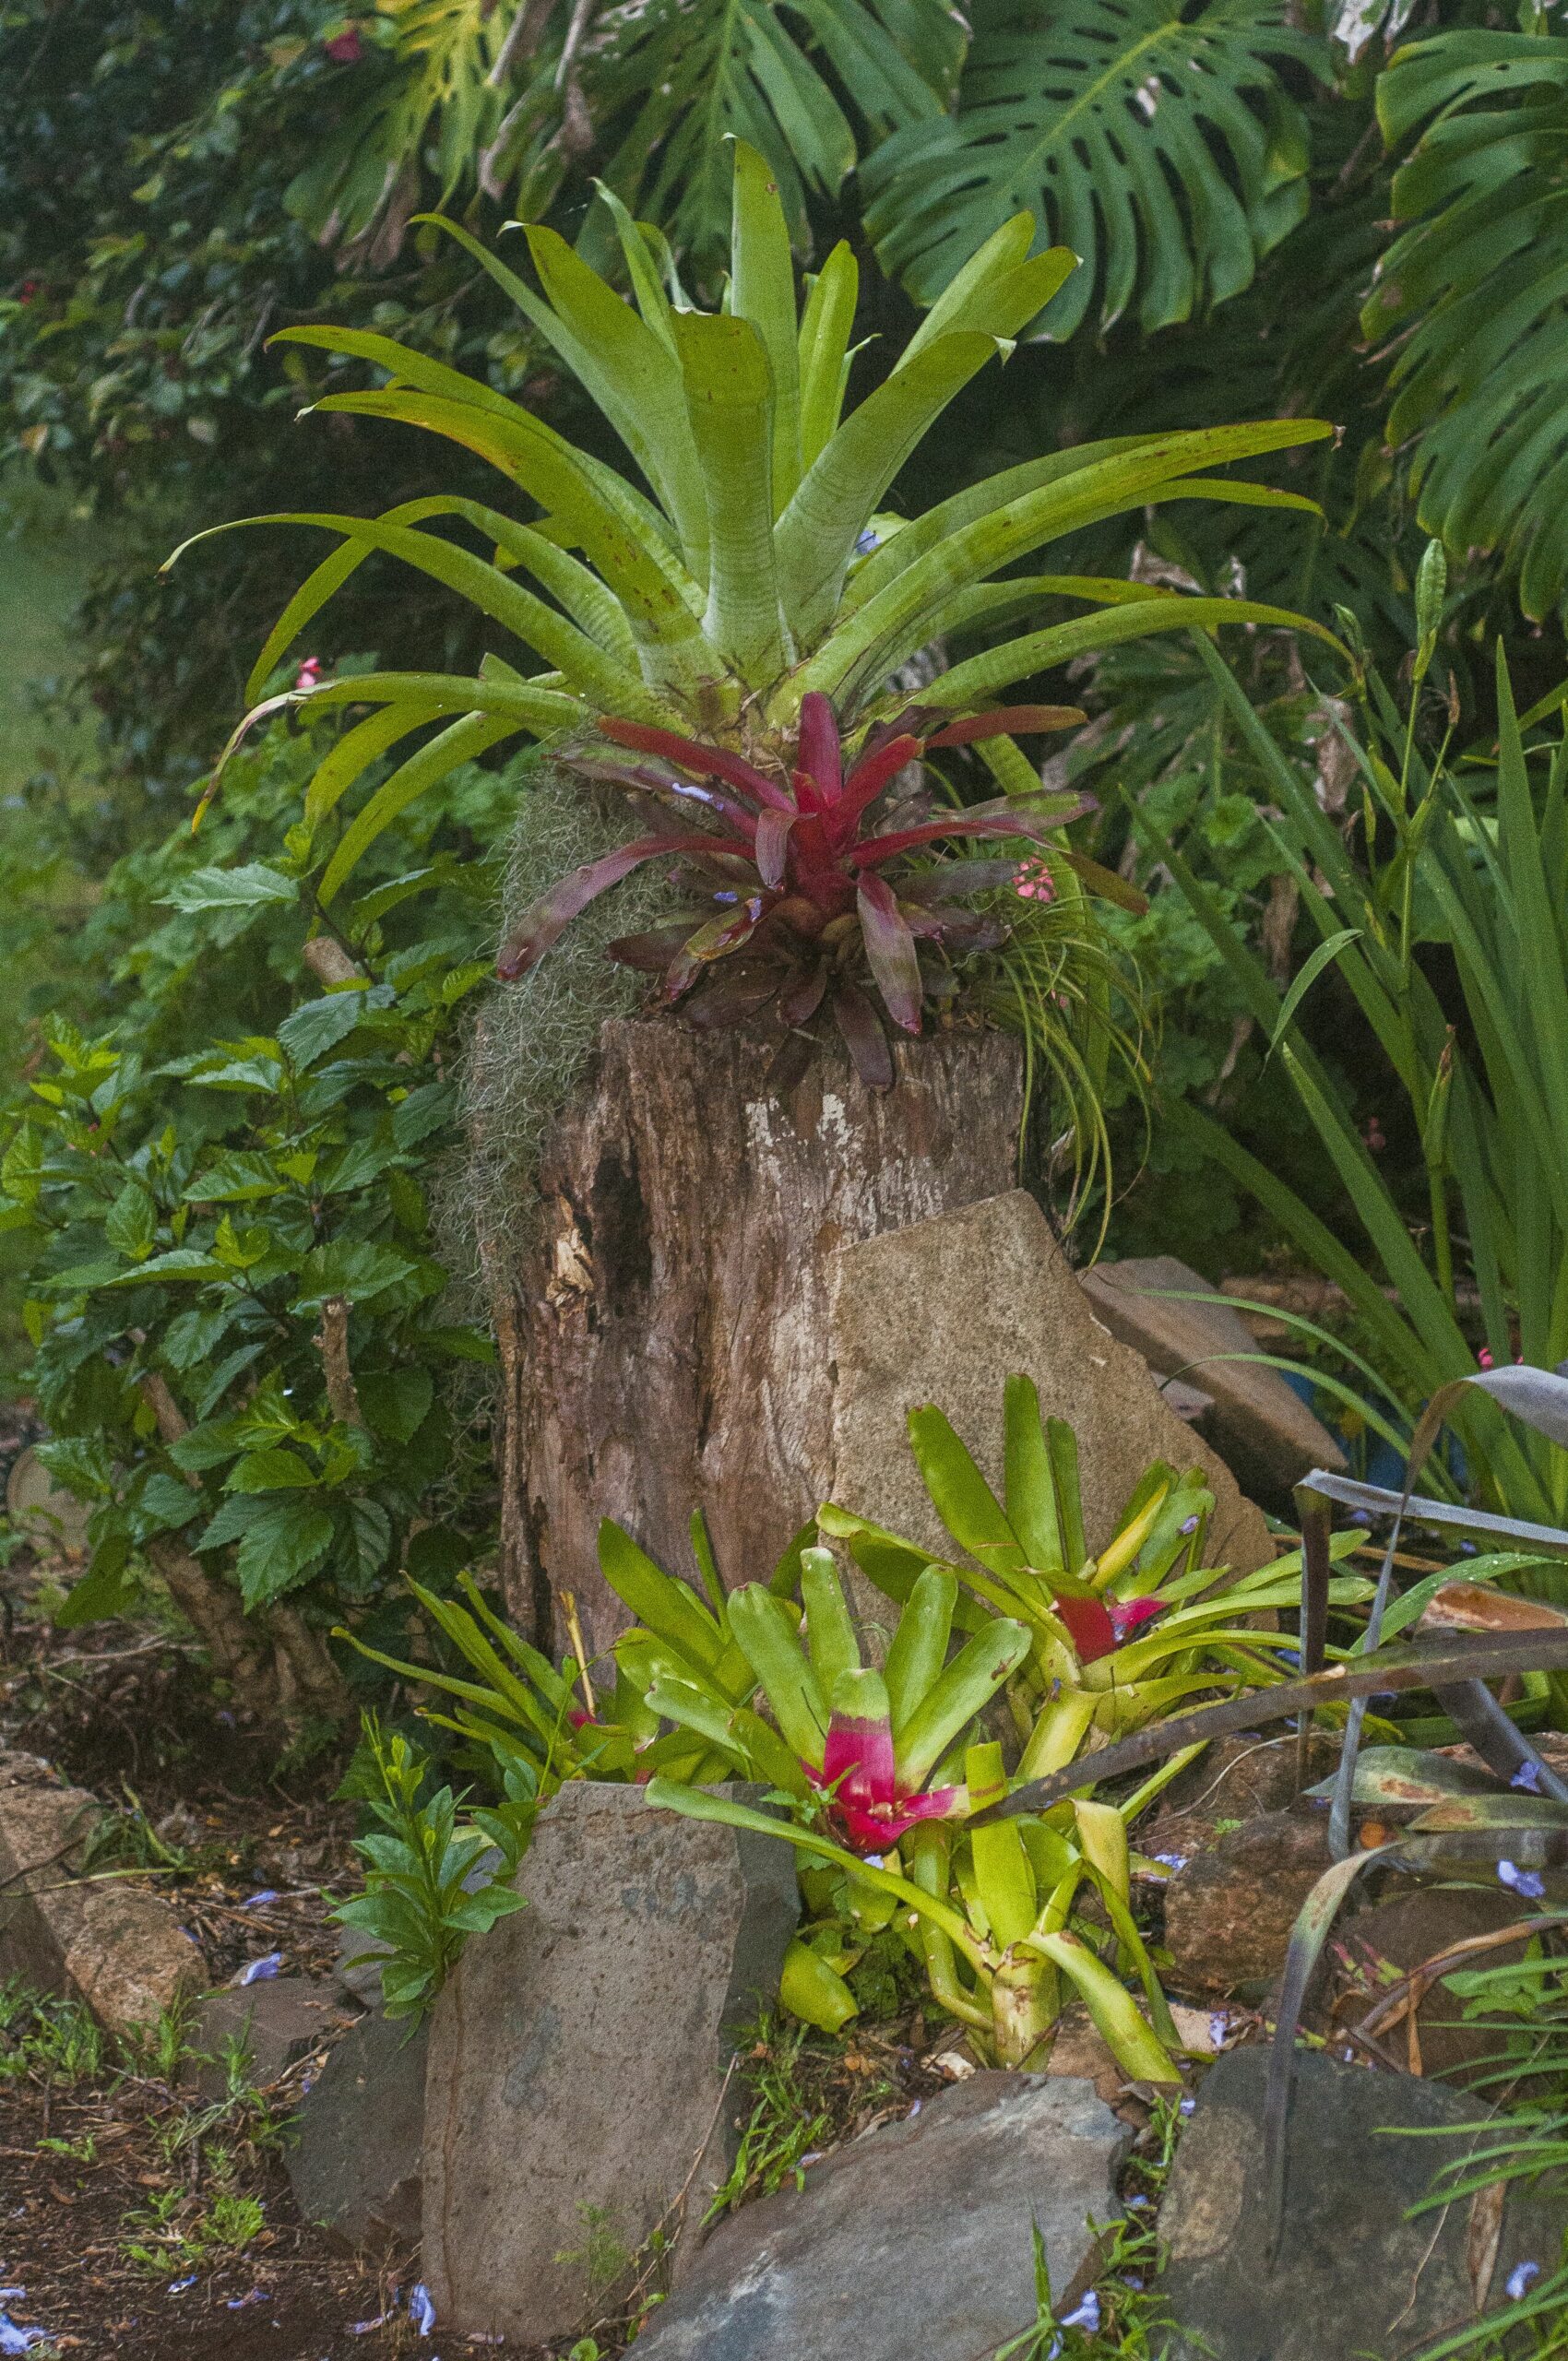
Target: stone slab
<point>1354,2276</point>
<point>278,2021</point>
<point>119,1950</point>
<point>916,2240</point>
<point>1266,1431</point>
<point>576,2083</point>
<point>355,2165</point>
<point>945,1312</point>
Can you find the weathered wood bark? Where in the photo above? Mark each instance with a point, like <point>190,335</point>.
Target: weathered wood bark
<point>671,1339</point>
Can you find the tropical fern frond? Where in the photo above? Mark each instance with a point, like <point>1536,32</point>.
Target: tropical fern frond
<point>1154,141</point>
<point>431,99</point>
<point>1478,285</point>
<point>811,84</point>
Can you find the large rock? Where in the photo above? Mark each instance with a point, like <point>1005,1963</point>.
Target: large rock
<point>354,2167</point>
<point>1398,1937</point>
<point>915,2240</point>
<point>1354,2276</point>
<point>1266,1431</point>
<point>945,1312</point>
<point>120,1949</point>
<point>577,2087</point>
<point>1229,1911</point>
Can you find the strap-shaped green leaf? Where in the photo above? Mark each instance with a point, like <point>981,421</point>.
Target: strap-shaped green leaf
<point>757,1750</point>
<point>730,393</point>
<point>761,290</point>
<point>355,752</point>
<point>1005,1878</point>
<point>1027,1484</point>
<point>818,531</point>
<point>647,285</point>
<point>766,1633</point>
<point>634,378</point>
<point>460,741</point>
<point>919,1645</point>
<point>826,331</point>
<point>830,1634</point>
<point>962,1497</point>
<point>1002,250</point>
<point>670,1609</point>
<point>968,1685</point>
<point>1100,487</point>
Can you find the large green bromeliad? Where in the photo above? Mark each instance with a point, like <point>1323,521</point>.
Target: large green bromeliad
<point>724,639</point>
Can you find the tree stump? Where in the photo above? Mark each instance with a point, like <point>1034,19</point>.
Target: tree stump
<point>664,1337</point>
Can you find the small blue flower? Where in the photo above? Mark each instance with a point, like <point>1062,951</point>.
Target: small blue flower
<point>178,2286</point>
<point>1186,2107</point>
<point>1084,2315</point>
<point>1524,1883</point>
<point>1521,2279</point>
<point>422,2310</point>
<point>258,1900</point>
<point>866,541</point>
<point>1527,1776</point>
<point>261,1971</point>
<point>1191,1525</point>
<point>1171,1860</point>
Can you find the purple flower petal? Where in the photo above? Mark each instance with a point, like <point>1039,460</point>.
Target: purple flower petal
<point>1084,2315</point>
<point>1526,1883</point>
<point>1521,2279</point>
<point>422,2310</point>
<point>260,1971</point>
<point>1527,1778</point>
<point>257,1901</point>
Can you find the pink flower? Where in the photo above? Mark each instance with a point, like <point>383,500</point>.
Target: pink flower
<point>1483,1357</point>
<point>345,48</point>
<point>1034,882</point>
<point>309,673</point>
<point>858,1773</point>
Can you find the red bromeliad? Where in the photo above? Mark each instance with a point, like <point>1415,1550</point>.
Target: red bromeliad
<point>869,1805</point>
<point>813,889</point>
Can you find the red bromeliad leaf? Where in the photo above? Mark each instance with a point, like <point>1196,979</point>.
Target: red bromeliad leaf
<point>819,753</point>
<point>799,999</point>
<point>740,821</point>
<point>1008,721</point>
<point>1130,1615</point>
<point>732,997</point>
<point>708,761</point>
<point>1089,1626</point>
<point>982,820</point>
<point>540,926</point>
<point>868,778</point>
<point>859,1772</point>
<point>866,1041</point>
<point>773,846</point>
<point>890,949</point>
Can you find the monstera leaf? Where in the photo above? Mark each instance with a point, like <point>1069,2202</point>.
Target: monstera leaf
<point>811,85</point>
<point>1477,289</point>
<point>1156,141</point>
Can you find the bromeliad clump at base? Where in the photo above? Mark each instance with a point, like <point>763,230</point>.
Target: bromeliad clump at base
<point>806,890</point>
<point>750,597</point>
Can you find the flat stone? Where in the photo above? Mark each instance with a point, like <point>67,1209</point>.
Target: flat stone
<point>945,1312</point>
<point>1230,1911</point>
<point>1264,1430</point>
<point>1354,2277</point>
<point>280,2021</point>
<point>915,2240</point>
<point>119,1950</point>
<point>354,2167</point>
<point>577,2085</point>
<point>1246,1772</point>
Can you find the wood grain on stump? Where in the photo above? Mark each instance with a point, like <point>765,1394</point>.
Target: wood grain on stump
<point>672,1320</point>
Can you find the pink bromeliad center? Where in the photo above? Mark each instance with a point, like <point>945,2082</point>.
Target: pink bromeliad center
<point>1095,1626</point>
<point>867,1806</point>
